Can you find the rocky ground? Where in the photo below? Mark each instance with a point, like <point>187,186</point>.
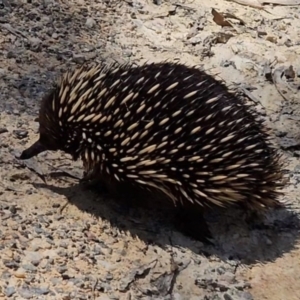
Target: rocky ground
<point>60,240</point>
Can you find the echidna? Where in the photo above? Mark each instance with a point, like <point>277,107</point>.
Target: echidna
<point>166,127</point>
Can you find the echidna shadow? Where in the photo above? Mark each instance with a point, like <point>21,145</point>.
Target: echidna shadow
<point>249,242</point>
<point>172,129</point>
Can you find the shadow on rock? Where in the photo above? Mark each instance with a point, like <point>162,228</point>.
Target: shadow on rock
<point>261,240</point>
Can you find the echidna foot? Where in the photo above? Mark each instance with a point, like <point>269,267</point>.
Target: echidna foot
<point>193,225</point>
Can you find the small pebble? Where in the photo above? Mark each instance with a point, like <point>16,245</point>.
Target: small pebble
<point>9,291</point>
<point>62,270</point>
<point>29,267</point>
<point>20,134</point>
<point>109,276</point>
<point>3,130</point>
<point>11,54</point>
<point>42,290</point>
<point>79,58</point>
<point>35,44</point>
<point>26,293</point>
<point>90,22</point>
<point>227,297</point>
<point>246,296</point>
<point>10,264</point>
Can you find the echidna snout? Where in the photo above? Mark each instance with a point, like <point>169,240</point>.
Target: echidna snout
<point>45,142</point>
<point>33,150</point>
<point>51,137</point>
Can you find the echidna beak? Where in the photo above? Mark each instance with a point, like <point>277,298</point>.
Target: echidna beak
<point>33,150</point>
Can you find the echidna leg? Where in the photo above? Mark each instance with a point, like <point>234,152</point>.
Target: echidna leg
<point>92,180</point>
<point>191,222</point>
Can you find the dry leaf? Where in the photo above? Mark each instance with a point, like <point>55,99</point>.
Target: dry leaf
<point>220,19</point>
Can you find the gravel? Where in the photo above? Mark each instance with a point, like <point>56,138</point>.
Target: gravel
<point>93,248</point>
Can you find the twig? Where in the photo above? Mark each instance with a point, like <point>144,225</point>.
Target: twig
<point>63,172</point>
<point>185,7</point>
<point>13,31</point>
<point>175,270</point>
<point>31,165</point>
<point>276,78</point>
<point>249,95</point>
<point>64,206</point>
<point>94,288</point>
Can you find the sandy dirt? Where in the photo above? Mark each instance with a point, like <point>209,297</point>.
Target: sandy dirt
<point>96,247</point>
